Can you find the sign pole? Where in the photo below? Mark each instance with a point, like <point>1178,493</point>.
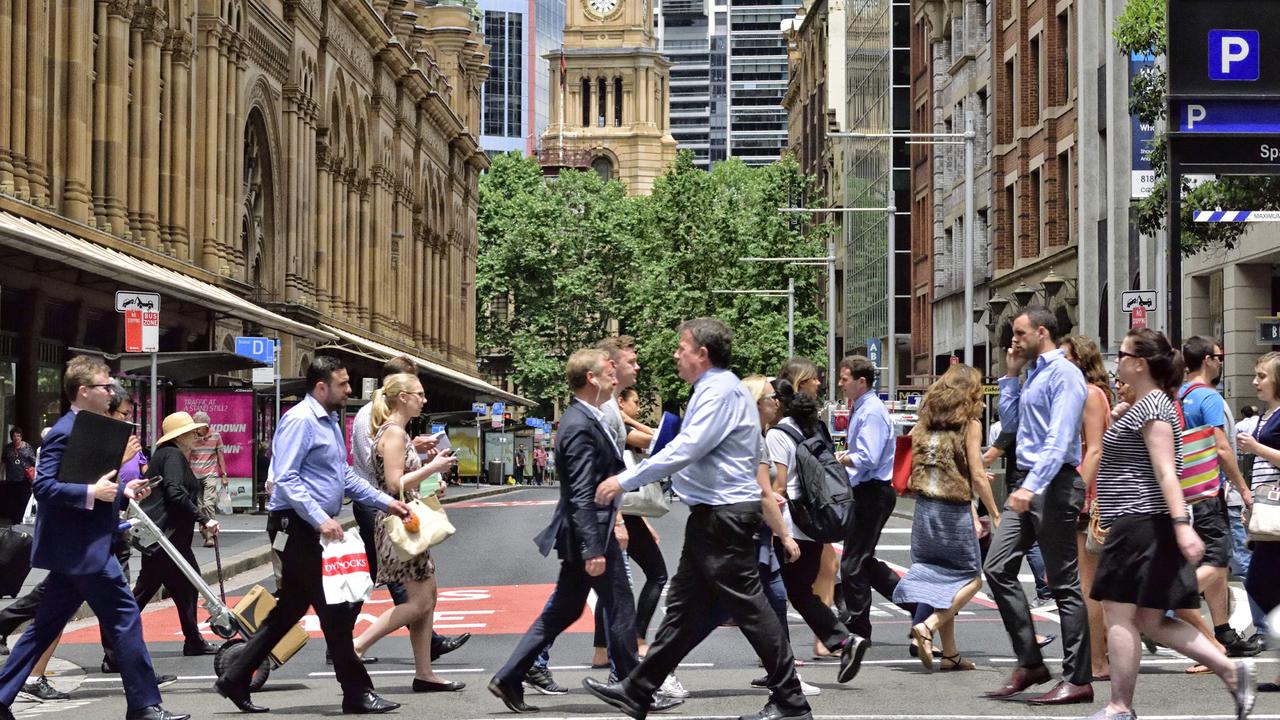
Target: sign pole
<point>154,410</point>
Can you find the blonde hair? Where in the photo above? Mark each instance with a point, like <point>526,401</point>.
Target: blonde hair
<point>582,362</point>
<point>758,386</point>
<point>386,399</point>
<point>952,400</point>
<point>1270,364</point>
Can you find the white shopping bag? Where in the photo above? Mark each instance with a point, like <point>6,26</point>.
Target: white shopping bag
<point>344,569</point>
<point>29,515</point>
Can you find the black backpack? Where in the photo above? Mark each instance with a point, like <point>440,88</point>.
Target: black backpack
<point>825,496</point>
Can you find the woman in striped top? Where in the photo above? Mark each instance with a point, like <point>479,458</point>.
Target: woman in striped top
<point>1263,582</point>
<point>1147,565</point>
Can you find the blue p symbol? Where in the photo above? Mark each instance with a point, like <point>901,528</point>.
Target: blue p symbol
<point>1233,55</point>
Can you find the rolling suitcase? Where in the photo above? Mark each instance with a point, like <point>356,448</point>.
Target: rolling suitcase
<point>15,561</point>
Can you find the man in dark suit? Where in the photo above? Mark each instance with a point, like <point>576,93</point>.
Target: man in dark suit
<point>74,531</point>
<point>581,532</point>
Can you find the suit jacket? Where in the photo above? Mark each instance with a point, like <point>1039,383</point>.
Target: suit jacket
<point>172,505</point>
<point>68,537</point>
<point>585,456</point>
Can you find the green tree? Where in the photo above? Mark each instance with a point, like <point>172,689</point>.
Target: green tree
<point>695,228</point>
<point>553,252</point>
<point>1142,28</point>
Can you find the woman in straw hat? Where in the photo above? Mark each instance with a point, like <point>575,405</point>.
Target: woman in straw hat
<point>174,507</point>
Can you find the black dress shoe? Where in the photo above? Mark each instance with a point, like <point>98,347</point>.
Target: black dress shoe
<point>367,659</point>
<point>367,703</point>
<point>665,702</point>
<point>448,645</point>
<point>204,647</point>
<point>773,712</point>
<point>154,712</point>
<point>426,686</point>
<point>513,698</point>
<point>239,696</point>
<point>617,697</point>
<point>108,666</point>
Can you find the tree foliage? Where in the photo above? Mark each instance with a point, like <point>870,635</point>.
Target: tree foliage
<point>573,254</point>
<point>1142,28</point>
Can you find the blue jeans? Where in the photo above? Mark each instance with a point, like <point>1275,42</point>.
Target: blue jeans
<point>1036,562</point>
<point>1240,559</point>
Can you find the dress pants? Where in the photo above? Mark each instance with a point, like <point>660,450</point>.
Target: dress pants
<point>718,566</point>
<point>860,569</point>
<point>159,569</point>
<point>21,610</point>
<point>565,607</point>
<point>109,598</point>
<point>1051,520</point>
<point>797,578</point>
<point>300,588</point>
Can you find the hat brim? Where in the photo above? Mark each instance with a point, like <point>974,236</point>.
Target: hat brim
<point>180,432</point>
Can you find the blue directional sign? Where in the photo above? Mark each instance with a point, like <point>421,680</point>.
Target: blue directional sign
<point>532,422</point>
<point>259,348</point>
<point>437,428</point>
<point>874,355</point>
<point>1228,116</point>
<point>1234,55</point>
<point>479,408</point>
<point>498,408</point>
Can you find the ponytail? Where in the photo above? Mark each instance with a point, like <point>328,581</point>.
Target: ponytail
<point>380,411</point>
<point>387,397</point>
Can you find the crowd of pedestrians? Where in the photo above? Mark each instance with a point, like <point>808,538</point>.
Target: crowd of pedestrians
<point>1130,497</point>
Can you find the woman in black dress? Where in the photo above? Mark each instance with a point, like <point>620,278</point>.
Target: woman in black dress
<point>1147,566</point>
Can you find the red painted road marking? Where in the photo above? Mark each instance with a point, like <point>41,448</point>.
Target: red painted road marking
<point>493,610</point>
<point>501,503</point>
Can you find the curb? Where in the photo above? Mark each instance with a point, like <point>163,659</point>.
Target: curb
<point>250,559</point>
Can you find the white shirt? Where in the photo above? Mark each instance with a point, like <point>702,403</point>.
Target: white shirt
<point>362,443</point>
<point>782,451</point>
<point>599,414</point>
<point>712,461</point>
<point>611,415</point>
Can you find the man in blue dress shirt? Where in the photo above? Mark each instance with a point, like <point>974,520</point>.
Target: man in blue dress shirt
<point>1046,411</point>
<point>309,464</point>
<point>712,464</point>
<point>870,463</point>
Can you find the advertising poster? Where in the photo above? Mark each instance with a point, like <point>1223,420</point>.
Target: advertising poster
<point>466,448</point>
<point>231,416</point>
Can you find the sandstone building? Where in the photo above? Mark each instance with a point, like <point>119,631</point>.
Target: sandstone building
<point>299,169</point>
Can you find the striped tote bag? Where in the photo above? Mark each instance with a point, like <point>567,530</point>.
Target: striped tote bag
<point>1200,476</point>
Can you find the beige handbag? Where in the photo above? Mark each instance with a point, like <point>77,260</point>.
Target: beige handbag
<point>433,528</point>
<point>1264,520</point>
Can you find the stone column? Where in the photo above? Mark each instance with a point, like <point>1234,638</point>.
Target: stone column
<point>351,268</point>
<point>364,273</point>
<point>6,92</point>
<point>323,252</point>
<point>292,130</point>
<point>75,190</point>
<point>236,259</point>
<point>214,89</point>
<point>100,86</point>
<point>218,117</point>
<point>341,241</point>
<point>18,100</point>
<point>307,149</point>
<point>180,142</point>
<point>164,217</point>
<point>137,72</point>
<point>37,101</point>
<point>115,181</point>
<point>150,152</point>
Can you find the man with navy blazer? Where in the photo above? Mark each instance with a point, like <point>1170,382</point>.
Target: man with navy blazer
<point>75,527</point>
<point>580,531</point>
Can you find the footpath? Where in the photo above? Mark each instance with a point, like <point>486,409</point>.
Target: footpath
<point>243,542</point>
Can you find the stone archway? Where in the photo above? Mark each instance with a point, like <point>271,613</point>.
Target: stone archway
<point>258,217</point>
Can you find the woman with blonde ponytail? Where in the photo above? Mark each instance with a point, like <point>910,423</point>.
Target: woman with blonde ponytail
<point>398,471</point>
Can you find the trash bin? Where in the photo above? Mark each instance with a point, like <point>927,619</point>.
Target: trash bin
<point>495,472</point>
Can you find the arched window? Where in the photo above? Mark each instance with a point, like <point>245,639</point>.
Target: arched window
<point>586,102</point>
<point>617,102</point>
<point>603,167</point>
<point>602,89</point>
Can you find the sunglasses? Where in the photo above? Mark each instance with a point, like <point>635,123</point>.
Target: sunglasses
<point>1121,354</point>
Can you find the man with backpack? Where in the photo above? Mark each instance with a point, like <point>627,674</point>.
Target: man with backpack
<point>1203,406</point>
<point>870,475</point>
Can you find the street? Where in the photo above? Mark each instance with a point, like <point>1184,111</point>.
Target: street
<point>493,583</point>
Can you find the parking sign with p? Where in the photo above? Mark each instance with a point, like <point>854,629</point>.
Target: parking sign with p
<point>1234,55</point>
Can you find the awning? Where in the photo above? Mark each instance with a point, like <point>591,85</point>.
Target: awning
<point>178,367</point>
<point>384,352</point>
<point>47,242</point>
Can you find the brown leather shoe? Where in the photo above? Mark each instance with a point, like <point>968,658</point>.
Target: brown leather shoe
<point>1064,693</point>
<point>1021,679</point>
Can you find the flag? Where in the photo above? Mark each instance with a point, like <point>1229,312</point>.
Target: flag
<point>564,70</point>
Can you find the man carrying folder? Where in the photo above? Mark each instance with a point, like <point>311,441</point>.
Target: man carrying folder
<point>77,522</point>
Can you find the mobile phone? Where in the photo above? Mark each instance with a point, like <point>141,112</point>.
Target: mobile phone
<point>442,441</point>
<point>154,481</point>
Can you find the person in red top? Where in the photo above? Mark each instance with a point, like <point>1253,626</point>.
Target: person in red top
<point>209,466</point>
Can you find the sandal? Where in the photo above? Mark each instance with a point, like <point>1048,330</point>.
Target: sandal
<point>923,636</point>
<point>1197,670</point>
<point>955,662</point>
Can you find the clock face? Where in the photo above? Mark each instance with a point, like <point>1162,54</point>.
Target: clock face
<point>602,8</point>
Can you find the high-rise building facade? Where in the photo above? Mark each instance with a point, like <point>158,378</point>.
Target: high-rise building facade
<point>728,76</point>
<point>873,172</point>
<point>515,101</point>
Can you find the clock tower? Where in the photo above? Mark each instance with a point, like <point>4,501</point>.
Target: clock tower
<point>610,95</point>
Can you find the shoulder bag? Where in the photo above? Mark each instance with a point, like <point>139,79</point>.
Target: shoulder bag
<point>1200,477</point>
<point>649,501</point>
<point>1264,521</point>
<point>429,526</point>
